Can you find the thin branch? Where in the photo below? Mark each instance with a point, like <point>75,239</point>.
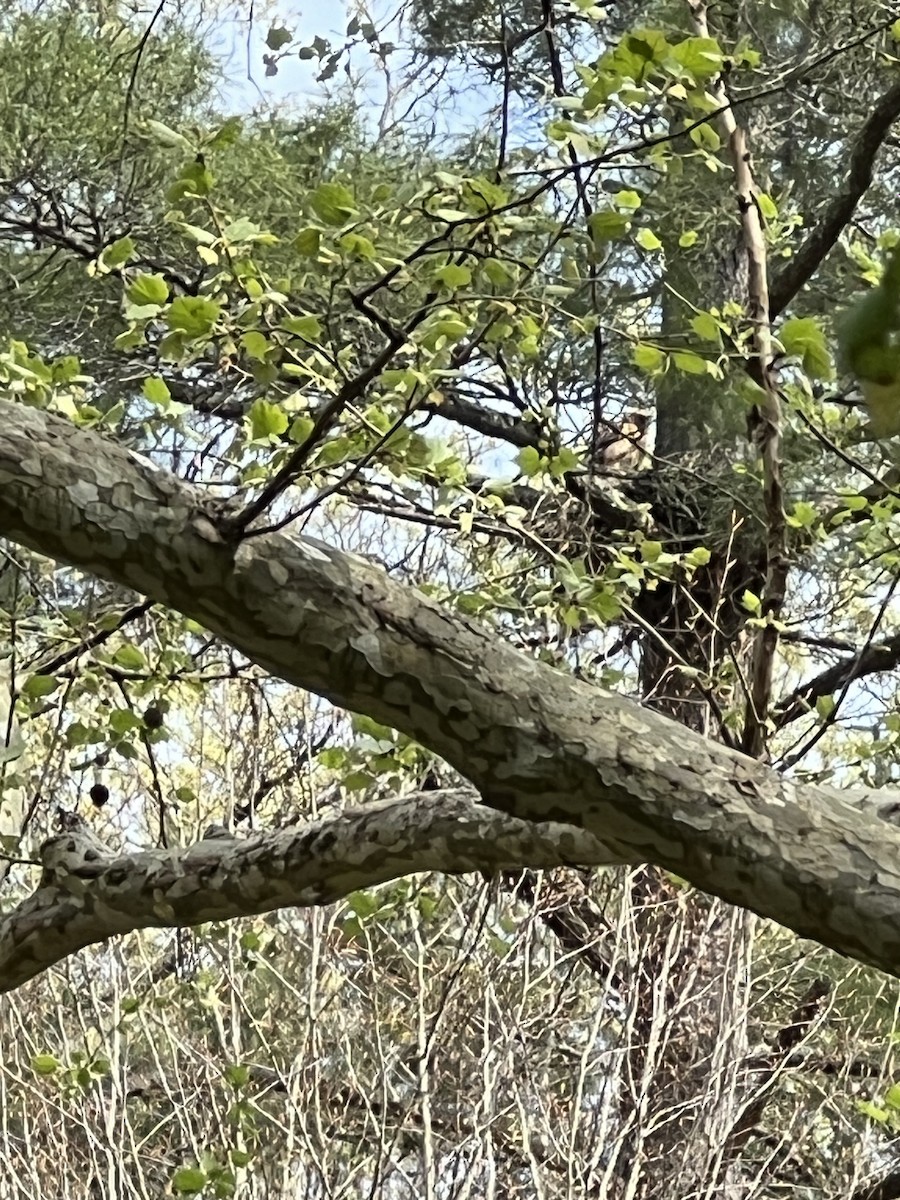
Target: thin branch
<point>795,755</point>
<point>868,660</point>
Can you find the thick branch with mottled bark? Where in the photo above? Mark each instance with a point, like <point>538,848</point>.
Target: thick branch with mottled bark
<point>535,743</point>
<point>87,894</point>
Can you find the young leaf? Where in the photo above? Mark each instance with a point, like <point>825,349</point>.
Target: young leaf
<point>802,337</point>
<point>332,203</point>
<point>148,289</point>
<point>267,420</point>
<point>193,316</point>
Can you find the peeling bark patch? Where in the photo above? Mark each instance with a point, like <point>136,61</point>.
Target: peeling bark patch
<point>369,647</point>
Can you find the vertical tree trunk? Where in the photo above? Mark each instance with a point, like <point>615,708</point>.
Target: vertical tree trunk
<point>690,972</point>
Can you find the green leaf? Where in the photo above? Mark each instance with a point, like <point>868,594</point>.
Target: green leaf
<point>802,337</point>
<point>825,706</point>
<point>118,253</point>
<point>767,206</point>
<point>255,345</point>
<point>648,357</point>
<point>647,240</point>
<point>301,428</point>
<point>45,1064</point>
<point>148,289</point>
<point>227,134</point>
<point>635,55</point>
<point>444,330</point>
<point>751,602</point>
<point>172,347</point>
<point>65,369</point>
<point>78,734</point>
<point>691,364</point>
<point>307,242</point>
<point>688,239</point>
<point>189,1181</point>
<point>332,203</point>
<point>195,179</point>
<point>453,276</point>
<point>483,196</point>
<point>803,516</point>
<point>874,1111</point>
<point>242,230</point>
<point>237,1075</point>
<point>196,233</point>
<point>530,461</point>
<point>498,946</point>
<point>363,904</point>
<point>307,327</point>
<point>706,326</point>
<point>40,685</point>
<point>356,245</point>
<point>856,503</point>
<point>277,37</point>
<point>267,421</point>
<point>123,721</point>
<point>608,225</point>
<point>156,390</point>
<point>605,607</point>
<point>130,658</point>
<point>701,56</point>
<point>627,199</point>
<point>705,137</point>
<point>193,316</point>
<point>561,464</point>
<point>499,273</point>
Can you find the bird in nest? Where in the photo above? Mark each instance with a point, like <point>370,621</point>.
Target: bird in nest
<point>623,445</point>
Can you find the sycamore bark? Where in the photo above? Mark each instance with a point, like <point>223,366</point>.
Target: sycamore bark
<point>535,744</point>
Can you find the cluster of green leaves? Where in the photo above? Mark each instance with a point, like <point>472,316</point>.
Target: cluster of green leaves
<point>373,755</point>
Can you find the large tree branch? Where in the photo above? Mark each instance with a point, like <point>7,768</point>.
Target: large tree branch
<point>88,894</point>
<point>801,268</point>
<point>536,743</point>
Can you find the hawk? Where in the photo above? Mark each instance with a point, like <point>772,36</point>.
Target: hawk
<point>623,446</point>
